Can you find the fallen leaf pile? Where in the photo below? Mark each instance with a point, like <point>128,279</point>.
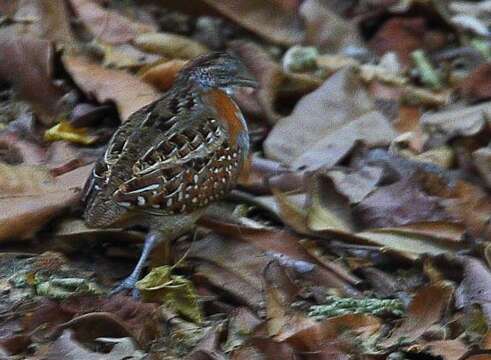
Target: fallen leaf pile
<point>362,229</point>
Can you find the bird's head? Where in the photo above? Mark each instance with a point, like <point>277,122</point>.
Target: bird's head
<point>217,70</point>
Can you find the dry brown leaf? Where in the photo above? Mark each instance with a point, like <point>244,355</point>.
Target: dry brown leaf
<point>403,35</point>
<point>27,63</point>
<point>30,197</point>
<point>426,308</point>
<point>355,184</point>
<point>170,45</point>
<point>329,210</point>
<point>408,244</point>
<point>477,85</point>
<point>482,160</point>
<point>465,121</point>
<point>283,246</point>
<point>447,349</point>
<point>107,25</point>
<point>340,100</point>
<point>49,20</point>
<point>326,30</point>
<point>372,129</point>
<point>401,203</point>
<point>233,267</point>
<point>471,205</point>
<point>107,85</point>
<point>321,334</point>
<point>475,287</point>
<point>280,292</point>
<point>125,56</point>
<point>268,19</point>
<point>162,76</point>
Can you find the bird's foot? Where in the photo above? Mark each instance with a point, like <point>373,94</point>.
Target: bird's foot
<point>127,284</point>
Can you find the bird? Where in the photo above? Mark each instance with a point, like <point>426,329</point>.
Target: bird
<point>172,158</point>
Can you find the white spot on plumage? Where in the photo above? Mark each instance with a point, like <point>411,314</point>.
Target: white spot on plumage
<point>141,201</point>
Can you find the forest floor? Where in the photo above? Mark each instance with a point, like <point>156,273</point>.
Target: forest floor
<point>361,231</point>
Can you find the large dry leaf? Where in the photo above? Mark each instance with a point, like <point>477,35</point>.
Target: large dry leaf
<point>372,129</point>
<point>27,63</point>
<point>447,349</point>
<point>475,287</point>
<point>325,29</point>
<point>408,244</point>
<point>107,85</point>
<point>280,292</point>
<point>401,203</point>
<point>267,18</point>
<point>170,45</point>
<point>355,184</point>
<point>482,160</point>
<point>471,205</point>
<point>321,334</point>
<point>284,246</point>
<point>329,210</point>
<point>465,121</point>
<point>340,100</point>
<point>477,85</point>
<point>106,25</point>
<point>403,35</point>
<point>425,309</point>
<point>30,197</point>
<point>48,20</point>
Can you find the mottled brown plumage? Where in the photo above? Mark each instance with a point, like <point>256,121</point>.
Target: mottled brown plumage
<point>170,159</point>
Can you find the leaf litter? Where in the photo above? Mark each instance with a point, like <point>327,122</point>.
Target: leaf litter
<point>361,229</point>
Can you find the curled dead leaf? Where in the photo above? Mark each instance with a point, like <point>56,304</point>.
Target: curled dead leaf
<point>170,45</point>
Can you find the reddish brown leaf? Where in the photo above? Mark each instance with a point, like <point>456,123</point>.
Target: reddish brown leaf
<point>477,85</point>
<point>425,309</point>
<point>264,17</point>
<point>284,247</point>
<point>328,331</point>
<point>108,25</point>
<point>403,35</point>
<point>49,19</point>
<point>38,197</point>
<point>27,63</point>
<point>447,349</point>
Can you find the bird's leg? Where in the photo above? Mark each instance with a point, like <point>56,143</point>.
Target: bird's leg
<point>152,239</point>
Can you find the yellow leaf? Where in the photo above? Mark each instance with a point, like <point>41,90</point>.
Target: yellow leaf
<point>64,131</point>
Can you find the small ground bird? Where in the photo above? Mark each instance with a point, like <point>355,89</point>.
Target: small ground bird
<point>173,157</point>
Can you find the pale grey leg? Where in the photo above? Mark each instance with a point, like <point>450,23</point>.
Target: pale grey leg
<point>151,240</point>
